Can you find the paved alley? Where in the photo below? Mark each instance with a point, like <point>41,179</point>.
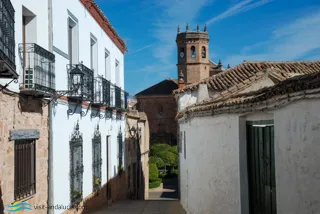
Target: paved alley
<point>142,207</point>
<point>162,200</point>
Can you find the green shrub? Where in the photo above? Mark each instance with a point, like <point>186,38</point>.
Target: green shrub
<point>153,171</point>
<point>155,179</point>
<point>162,175</point>
<point>154,184</point>
<point>156,160</point>
<point>175,172</point>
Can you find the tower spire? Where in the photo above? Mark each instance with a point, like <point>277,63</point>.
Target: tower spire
<point>198,28</point>
<point>205,27</point>
<point>178,29</point>
<point>187,27</point>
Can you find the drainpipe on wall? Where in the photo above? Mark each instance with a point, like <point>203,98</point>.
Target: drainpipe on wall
<point>50,174</point>
<point>50,146</point>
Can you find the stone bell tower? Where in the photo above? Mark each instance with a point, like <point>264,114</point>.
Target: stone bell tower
<point>193,54</point>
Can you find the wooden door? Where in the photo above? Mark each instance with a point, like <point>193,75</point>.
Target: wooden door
<point>261,167</point>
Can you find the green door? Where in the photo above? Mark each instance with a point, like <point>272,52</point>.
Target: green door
<point>261,167</point>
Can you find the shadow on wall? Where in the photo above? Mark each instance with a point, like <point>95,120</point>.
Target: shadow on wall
<point>137,191</point>
<point>115,189</point>
<point>30,105</point>
<point>1,201</point>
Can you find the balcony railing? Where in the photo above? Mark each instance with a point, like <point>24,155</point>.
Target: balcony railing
<point>7,42</point>
<point>39,69</point>
<point>81,82</point>
<point>102,91</point>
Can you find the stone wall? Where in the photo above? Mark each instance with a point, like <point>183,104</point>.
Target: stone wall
<point>135,150</point>
<point>17,113</point>
<point>151,105</point>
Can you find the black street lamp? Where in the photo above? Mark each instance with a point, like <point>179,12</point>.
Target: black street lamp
<point>76,77</point>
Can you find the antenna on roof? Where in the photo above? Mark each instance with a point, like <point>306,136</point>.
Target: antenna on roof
<point>178,29</point>
<point>205,27</point>
<point>187,27</point>
<point>198,28</point>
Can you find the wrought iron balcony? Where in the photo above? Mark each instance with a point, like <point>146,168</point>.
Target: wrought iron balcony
<point>39,70</point>
<point>120,98</point>
<point>7,42</point>
<point>102,91</point>
<point>81,82</point>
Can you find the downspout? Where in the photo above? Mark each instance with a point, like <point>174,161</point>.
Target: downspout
<point>50,146</point>
<point>50,173</point>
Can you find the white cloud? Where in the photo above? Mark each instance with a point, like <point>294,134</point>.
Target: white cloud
<point>238,8</point>
<point>174,12</point>
<point>291,41</point>
<point>140,49</point>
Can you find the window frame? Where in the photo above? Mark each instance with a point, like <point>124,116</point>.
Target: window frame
<point>20,180</point>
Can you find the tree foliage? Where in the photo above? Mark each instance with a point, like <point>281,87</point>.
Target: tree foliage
<point>168,154</point>
<point>157,160</point>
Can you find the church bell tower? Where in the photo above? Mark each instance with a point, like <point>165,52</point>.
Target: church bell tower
<point>193,54</point>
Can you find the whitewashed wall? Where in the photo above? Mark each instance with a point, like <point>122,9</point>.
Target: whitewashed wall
<point>63,127</point>
<point>214,177</point>
<point>40,35</point>
<point>210,173</point>
<point>61,11</point>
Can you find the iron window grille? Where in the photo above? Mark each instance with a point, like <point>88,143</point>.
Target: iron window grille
<point>81,82</point>
<point>7,41</point>
<point>102,91</point>
<point>120,149</point>
<point>118,94</point>
<point>96,159</point>
<point>24,168</point>
<point>76,166</point>
<point>39,68</point>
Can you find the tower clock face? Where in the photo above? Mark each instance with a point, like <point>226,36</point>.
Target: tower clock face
<point>181,54</point>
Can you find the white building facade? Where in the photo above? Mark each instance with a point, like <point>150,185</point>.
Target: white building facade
<point>252,150</point>
<point>88,124</point>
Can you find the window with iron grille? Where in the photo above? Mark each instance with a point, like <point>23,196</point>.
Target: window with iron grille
<point>76,166</point>
<point>120,148</point>
<point>97,161</point>
<point>7,38</point>
<point>118,97</point>
<point>24,168</point>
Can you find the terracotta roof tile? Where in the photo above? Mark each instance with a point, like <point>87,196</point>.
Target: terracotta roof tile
<point>243,71</point>
<point>292,85</point>
<point>100,17</point>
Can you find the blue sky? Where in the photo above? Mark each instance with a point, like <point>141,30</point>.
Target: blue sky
<point>239,30</point>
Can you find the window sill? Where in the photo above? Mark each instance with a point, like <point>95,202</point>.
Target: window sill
<point>25,199</point>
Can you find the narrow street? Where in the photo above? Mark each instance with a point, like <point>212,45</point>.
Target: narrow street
<point>162,200</point>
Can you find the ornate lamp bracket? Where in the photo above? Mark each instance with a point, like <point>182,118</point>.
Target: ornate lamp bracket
<point>84,113</point>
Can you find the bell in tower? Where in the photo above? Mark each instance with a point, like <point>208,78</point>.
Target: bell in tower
<point>193,54</point>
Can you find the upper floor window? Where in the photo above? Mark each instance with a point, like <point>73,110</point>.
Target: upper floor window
<point>193,52</point>
<point>117,73</point>
<point>7,41</point>
<point>73,38</point>
<point>107,65</point>
<point>94,54</point>
<point>203,52</point>
<point>161,110</point>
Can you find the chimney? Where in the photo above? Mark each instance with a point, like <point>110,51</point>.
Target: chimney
<point>181,83</point>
